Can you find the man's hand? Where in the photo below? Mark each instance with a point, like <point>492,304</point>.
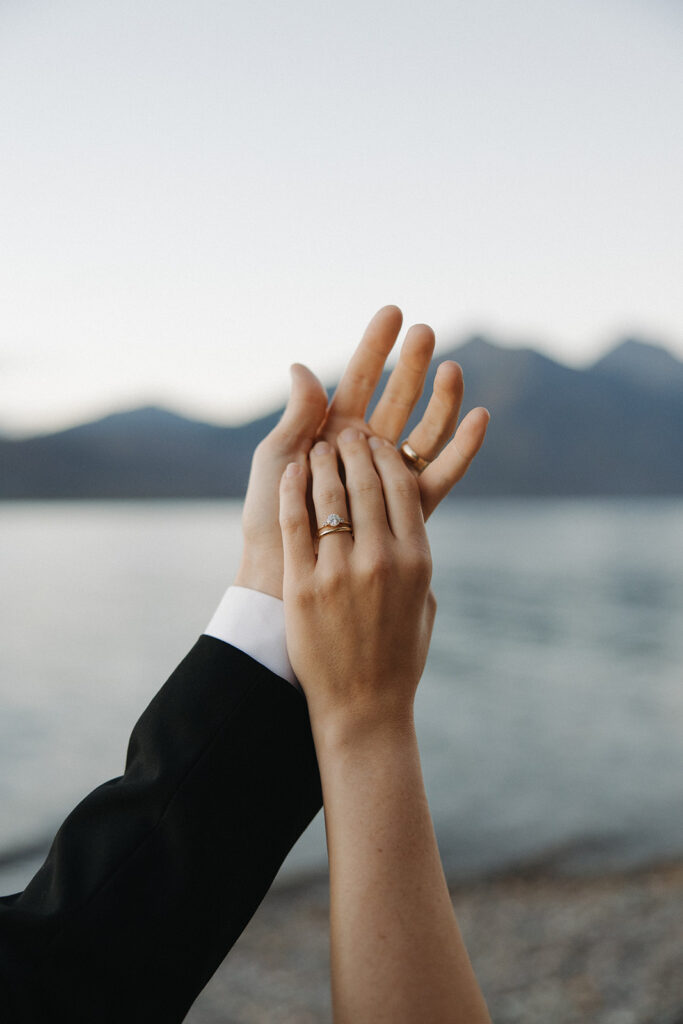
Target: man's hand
<point>262,562</point>
<point>307,417</point>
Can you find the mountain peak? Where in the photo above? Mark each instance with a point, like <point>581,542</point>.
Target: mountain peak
<point>477,348</point>
<point>643,363</point>
<point>478,343</point>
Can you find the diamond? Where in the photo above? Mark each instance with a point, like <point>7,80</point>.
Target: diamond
<point>333,520</point>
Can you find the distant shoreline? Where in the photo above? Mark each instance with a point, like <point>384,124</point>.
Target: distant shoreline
<point>454,498</point>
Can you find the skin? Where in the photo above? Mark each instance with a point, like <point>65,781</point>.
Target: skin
<point>307,418</point>
<point>359,617</point>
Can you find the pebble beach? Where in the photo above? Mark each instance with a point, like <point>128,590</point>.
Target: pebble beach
<point>546,950</point>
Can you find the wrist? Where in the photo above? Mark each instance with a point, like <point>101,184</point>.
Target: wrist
<point>260,573</point>
<point>349,734</point>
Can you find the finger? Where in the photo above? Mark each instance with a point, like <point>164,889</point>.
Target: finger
<point>304,412</point>
<point>294,523</point>
<point>401,492</point>
<point>405,384</point>
<point>454,461</point>
<point>441,415</point>
<point>329,497</point>
<point>363,488</point>
<point>365,367</point>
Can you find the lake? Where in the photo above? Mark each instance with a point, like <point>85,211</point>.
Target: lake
<point>550,715</point>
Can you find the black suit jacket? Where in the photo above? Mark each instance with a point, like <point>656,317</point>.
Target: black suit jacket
<point>153,876</point>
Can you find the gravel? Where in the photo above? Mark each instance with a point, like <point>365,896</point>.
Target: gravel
<point>546,950</point>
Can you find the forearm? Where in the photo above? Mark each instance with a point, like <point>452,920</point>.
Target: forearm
<point>397,954</point>
<point>154,875</point>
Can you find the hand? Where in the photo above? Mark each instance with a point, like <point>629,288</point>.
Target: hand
<point>307,415</point>
<point>359,616</point>
<point>449,456</point>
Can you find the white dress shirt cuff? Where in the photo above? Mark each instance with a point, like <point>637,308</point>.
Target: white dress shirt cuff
<point>254,623</point>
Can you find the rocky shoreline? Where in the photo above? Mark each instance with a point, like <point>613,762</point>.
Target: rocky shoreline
<point>547,949</point>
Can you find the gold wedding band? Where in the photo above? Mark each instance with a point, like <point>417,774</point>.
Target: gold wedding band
<point>412,458</point>
<point>334,524</point>
<point>324,530</point>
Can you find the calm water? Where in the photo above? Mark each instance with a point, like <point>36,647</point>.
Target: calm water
<point>550,715</point>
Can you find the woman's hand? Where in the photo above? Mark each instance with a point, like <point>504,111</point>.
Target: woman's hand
<point>358,616</point>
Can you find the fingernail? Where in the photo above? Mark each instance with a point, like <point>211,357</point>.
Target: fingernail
<point>350,434</point>
<point>377,442</point>
<point>321,448</point>
<point>293,469</point>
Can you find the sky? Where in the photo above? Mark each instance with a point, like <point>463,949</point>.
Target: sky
<point>193,196</point>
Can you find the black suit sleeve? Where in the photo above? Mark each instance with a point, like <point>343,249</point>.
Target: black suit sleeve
<point>153,876</point>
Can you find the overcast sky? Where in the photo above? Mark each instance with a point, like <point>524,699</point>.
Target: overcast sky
<point>193,195</point>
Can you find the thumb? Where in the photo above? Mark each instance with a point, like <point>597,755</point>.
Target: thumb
<point>305,409</point>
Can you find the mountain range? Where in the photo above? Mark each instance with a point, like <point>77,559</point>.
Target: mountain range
<point>614,428</point>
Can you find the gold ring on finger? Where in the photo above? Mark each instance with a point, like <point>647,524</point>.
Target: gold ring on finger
<point>335,524</point>
<point>412,458</point>
<point>323,532</point>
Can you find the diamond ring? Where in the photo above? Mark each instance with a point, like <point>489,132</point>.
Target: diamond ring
<point>334,524</point>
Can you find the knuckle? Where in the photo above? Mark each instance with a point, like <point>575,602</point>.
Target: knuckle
<point>328,495</point>
<point>331,583</point>
<point>419,567</point>
<point>282,441</point>
<point>273,446</point>
<point>290,523</point>
<point>424,573</point>
<point>285,439</point>
<point>386,452</point>
<point>358,380</point>
<point>377,566</point>
<point>365,485</point>
<point>397,398</point>
<point>406,485</point>
<point>433,419</point>
<point>263,448</point>
<point>304,596</point>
